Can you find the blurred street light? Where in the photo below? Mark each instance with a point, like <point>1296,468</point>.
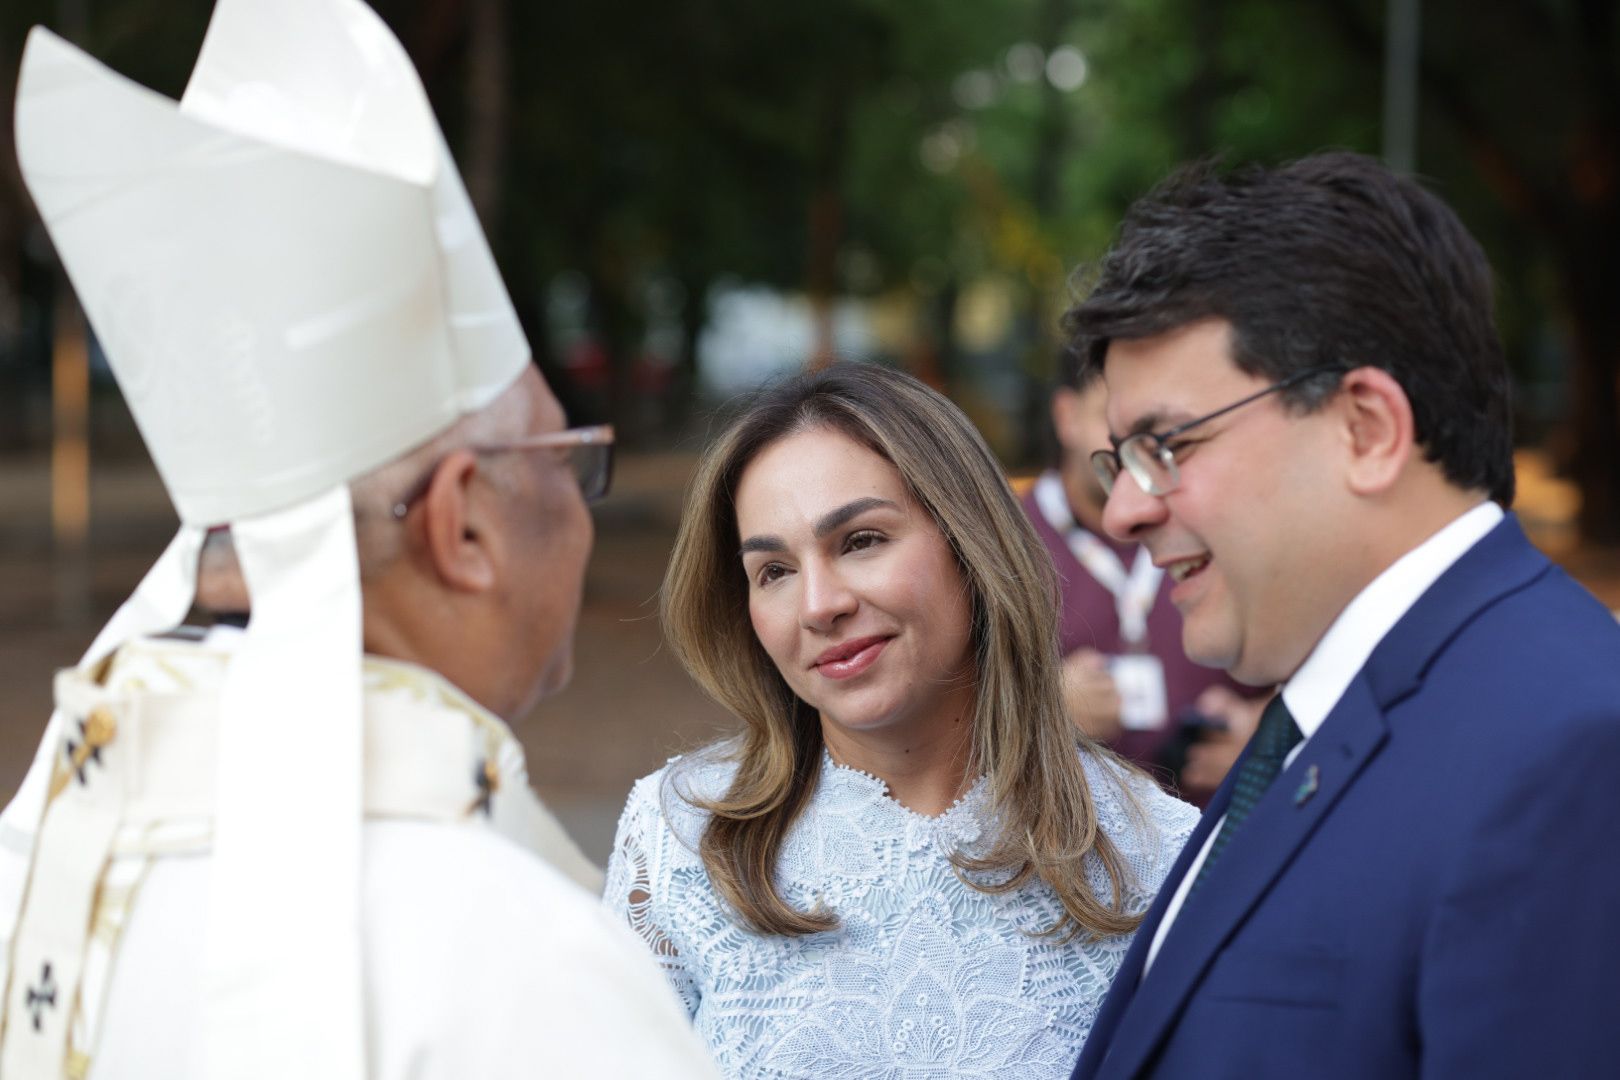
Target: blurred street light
<point>1066,68</point>
<point>974,89</point>
<point>1025,61</point>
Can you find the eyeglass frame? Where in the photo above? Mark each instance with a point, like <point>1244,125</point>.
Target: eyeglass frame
<point>1107,463</point>
<point>593,435</point>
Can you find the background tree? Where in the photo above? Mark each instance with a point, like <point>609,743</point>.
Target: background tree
<point>627,156</point>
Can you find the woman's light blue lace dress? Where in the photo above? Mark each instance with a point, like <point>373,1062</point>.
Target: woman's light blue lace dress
<point>924,977</point>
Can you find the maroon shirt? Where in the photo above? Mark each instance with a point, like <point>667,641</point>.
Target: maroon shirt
<point>1089,618</point>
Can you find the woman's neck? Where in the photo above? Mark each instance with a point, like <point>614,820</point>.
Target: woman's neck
<point>924,765</point>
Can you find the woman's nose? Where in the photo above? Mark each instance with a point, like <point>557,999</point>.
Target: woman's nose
<point>826,598</point>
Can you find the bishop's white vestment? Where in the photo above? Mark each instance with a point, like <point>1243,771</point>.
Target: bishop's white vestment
<point>480,957</point>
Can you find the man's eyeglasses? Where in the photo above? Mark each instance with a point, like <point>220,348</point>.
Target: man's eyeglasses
<point>590,456</point>
<point>1150,457</point>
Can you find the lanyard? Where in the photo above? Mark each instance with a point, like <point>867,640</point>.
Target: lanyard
<point>1134,591</point>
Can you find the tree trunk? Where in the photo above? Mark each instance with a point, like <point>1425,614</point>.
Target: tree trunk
<point>1039,323</point>
<point>825,216</point>
<point>488,91</point>
<point>694,314</point>
<point>1595,463</point>
<point>1208,84</point>
<point>1590,269</point>
<point>1575,216</point>
<point>1591,273</point>
<point>14,214</point>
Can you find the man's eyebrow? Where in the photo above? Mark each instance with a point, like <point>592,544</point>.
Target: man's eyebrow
<point>1155,420</point>
<point>835,518</point>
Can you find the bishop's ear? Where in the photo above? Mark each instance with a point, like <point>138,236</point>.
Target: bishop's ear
<point>459,539</point>
<point>1378,429</point>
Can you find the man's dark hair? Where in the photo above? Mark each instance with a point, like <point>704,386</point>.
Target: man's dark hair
<point>1332,260</point>
<point>1075,369</point>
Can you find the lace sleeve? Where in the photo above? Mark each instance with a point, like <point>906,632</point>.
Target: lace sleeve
<point>1176,821</point>
<point>1147,826</point>
<point>635,883</point>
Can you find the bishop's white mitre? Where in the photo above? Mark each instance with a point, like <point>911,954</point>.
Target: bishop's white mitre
<point>291,287</point>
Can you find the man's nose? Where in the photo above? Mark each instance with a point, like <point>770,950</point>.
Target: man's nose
<point>826,598</point>
<point>1130,511</point>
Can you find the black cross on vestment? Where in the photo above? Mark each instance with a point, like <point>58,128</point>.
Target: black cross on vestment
<point>42,997</point>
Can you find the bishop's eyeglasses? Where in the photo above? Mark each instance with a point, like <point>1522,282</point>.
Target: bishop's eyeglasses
<point>590,457</point>
<point>1149,455</point>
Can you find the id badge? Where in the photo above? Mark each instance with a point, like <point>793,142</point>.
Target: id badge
<point>1139,678</point>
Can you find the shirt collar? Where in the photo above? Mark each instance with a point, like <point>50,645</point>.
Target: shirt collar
<point>1321,680</point>
<point>1053,502</point>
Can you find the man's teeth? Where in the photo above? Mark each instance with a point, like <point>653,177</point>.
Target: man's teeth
<point>1185,569</point>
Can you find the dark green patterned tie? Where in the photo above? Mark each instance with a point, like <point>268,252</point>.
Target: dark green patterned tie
<point>1276,735</point>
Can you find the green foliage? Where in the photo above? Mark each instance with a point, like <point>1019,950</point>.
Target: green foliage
<point>917,146</point>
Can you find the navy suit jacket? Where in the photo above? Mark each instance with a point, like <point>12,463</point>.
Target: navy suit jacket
<point>1432,888</point>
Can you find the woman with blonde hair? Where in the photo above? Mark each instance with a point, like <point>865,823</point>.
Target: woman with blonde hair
<point>908,862</point>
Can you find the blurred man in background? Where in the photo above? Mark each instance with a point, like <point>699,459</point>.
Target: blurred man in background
<point>1127,680</point>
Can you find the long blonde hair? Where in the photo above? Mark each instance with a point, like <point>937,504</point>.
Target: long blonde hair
<point>1022,741</point>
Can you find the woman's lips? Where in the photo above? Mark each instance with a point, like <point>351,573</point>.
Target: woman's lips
<point>850,659</point>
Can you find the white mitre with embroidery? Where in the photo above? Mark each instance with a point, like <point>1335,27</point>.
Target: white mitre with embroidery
<point>292,288</point>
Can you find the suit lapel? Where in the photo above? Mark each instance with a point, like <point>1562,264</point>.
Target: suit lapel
<point>1277,827</point>
<point>1502,562</point>
<point>1130,971</point>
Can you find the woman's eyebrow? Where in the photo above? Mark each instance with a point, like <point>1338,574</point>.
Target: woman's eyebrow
<point>762,543</point>
<point>828,523</point>
<point>835,518</point>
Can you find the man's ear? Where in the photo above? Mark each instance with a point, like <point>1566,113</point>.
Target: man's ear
<point>1379,432</point>
<point>459,538</point>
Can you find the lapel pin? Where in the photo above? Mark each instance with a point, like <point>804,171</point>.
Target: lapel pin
<point>1308,786</point>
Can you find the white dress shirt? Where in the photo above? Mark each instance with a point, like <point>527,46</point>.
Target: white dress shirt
<point>1321,680</point>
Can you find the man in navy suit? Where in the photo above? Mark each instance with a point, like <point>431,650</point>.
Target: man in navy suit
<point>1413,869</point>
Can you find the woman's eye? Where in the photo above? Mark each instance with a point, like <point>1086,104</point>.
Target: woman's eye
<point>769,573</point>
<point>862,540</point>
